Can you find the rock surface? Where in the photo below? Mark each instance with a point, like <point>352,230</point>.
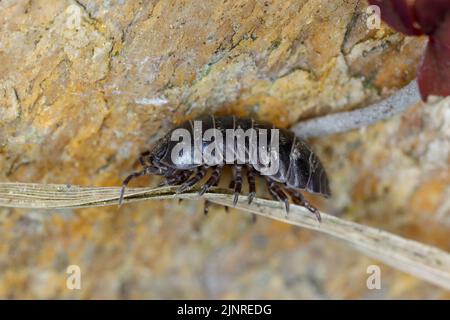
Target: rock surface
<point>85,86</point>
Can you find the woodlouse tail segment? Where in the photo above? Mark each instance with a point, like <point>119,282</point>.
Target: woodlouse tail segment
<point>327,193</point>
<point>325,185</point>
<point>126,181</point>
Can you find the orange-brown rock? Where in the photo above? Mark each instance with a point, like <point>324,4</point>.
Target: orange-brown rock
<point>86,85</point>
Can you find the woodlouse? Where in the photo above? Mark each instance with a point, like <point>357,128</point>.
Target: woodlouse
<point>298,167</point>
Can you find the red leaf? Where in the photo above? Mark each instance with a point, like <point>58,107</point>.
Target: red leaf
<point>399,15</point>
<point>434,72</point>
<point>431,13</point>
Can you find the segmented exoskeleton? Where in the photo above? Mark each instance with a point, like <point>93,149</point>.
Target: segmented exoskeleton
<point>298,167</point>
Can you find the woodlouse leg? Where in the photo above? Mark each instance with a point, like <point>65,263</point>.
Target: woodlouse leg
<point>179,177</point>
<point>201,172</point>
<point>230,186</point>
<point>169,178</point>
<point>164,183</point>
<point>127,180</point>
<point>251,177</point>
<point>213,180</point>
<point>206,207</point>
<point>142,158</point>
<point>237,178</point>
<point>277,193</point>
<point>299,199</point>
<point>183,177</point>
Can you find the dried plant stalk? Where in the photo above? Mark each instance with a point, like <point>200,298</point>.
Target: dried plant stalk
<point>423,261</point>
<point>340,122</point>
